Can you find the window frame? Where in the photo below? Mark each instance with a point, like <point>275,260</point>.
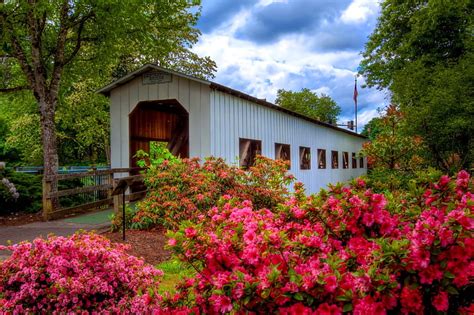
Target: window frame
<point>256,149</point>
<point>322,161</point>
<point>334,166</point>
<point>283,146</point>
<point>354,160</point>
<point>345,160</point>
<point>302,151</point>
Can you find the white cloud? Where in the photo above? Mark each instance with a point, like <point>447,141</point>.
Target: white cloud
<point>289,63</point>
<point>273,62</point>
<point>264,3</point>
<point>365,116</point>
<point>322,90</point>
<point>359,11</point>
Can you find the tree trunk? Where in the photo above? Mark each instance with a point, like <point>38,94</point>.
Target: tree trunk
<point>50,154</point>
<point>48,135</point>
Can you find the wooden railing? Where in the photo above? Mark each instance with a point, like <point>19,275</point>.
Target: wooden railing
<point>81,192</point>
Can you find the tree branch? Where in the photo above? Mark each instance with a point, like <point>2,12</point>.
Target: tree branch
<point>18,52</point>
<point>14,89</point>
<point>59,51</point>
<point>82,22</point>
<point>37,66</point>
<point>21,57</point>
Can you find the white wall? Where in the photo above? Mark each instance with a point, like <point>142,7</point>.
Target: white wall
<point>192,95</point>
<point>233,118</point>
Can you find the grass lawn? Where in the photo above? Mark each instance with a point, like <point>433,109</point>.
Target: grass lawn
<point>174,271</point>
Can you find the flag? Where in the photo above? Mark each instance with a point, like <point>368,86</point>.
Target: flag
<point>355,92</point>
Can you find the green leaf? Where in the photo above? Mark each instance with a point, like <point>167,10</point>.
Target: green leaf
<point>452,290</point>
<point>343,298</point>
<point>298,296</point>
<point>347,307</point>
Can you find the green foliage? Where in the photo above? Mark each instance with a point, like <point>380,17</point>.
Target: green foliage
<point>307,103</point>
<point>25,137</point>
<point>83,124</point>
<point>19,121</point>
<point>6,154</point>
<point>430,31</point>
<point>423,52</point>
<point>158,154</point>
<point>116,219</point>
<point>394,181</point>
<point>174,271</point>
<point>373,128</point>
<point>29,188</point>
<point>105,40</point>
<point>392,148</point>
<point>439,106</point>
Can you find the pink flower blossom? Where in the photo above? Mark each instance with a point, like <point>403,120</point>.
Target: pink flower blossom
<point>328,309</point>
<point>440,301</point>
<point>331,283</point>
<point>190,232</point>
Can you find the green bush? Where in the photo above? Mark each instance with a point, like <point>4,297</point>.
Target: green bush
<point>385,180</point>
<point>28,186</point>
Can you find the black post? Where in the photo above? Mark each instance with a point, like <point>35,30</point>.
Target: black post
<point>123,215</point>
<point>121,188</point>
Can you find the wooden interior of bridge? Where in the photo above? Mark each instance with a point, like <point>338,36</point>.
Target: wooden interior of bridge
<point>160,121</point>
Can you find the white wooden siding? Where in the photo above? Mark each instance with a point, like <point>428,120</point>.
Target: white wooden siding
<point>193,96</point>
<point>233,118</point>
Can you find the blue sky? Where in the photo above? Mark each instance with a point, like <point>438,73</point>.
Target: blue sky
<point>261,46</point>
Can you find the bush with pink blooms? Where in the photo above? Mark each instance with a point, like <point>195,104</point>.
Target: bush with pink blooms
<point>345,250</point>
<point>185,189</point>
<point>339,251</point>
<point>81,273</point>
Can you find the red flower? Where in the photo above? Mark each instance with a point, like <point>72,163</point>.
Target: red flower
<point>440,301</point>
<point>411,300</point>
<point>331,283</point>
<point>190,232</point>
<point>328,309</point>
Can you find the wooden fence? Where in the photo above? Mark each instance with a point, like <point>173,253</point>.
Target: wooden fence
<point>80,192</point>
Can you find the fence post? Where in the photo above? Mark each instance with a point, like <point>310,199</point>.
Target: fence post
<point>110,180</point>
<point>47,203</point>
<point>117,201</point>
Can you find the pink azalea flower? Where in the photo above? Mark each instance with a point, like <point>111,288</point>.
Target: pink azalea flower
<point>440,301</point>
<point>190,232</point>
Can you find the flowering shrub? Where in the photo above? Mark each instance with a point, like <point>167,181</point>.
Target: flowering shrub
<point>84,272</point>
<point>10,188</point>
<point>344,250</point>
<point>25,197</point>
<point>186,189</point>
<point>339,251</point>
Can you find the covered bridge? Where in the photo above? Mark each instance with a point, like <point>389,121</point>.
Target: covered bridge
<point>199,118</point>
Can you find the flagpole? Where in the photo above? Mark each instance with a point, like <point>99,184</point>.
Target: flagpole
<point>355,100</point>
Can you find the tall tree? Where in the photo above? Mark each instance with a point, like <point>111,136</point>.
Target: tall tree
<point>423,52</point>
<point>308,103</point>
<point>373,128</point>
<point>43,43</point>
